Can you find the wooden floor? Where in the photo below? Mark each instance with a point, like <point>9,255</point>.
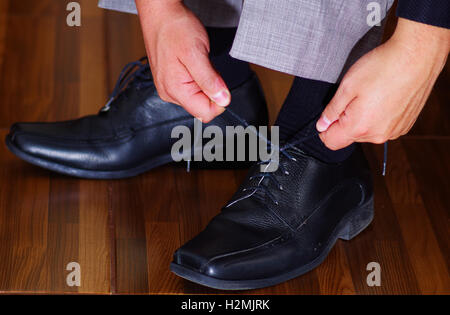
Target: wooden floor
<point>123,232</point>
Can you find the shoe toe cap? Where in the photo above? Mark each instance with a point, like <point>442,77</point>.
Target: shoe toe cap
<point>45,143</point>
<point>232,266</point>
<point>225,250</point>
<point>30,138</point>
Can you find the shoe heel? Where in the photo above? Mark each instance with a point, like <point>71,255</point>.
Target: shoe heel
<point>358,221</point>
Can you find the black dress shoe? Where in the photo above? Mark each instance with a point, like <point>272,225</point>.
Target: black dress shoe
<point>130,135</point>
<point>280,225</point>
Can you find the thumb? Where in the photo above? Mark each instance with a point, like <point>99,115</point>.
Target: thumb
<point>335,108</point>
<point>336,137</point>
<point>207,78</point>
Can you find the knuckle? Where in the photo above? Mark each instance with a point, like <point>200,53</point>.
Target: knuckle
<point>346,87</point>
<point>326,141</point>
<point>206,82</point>
<point>207,120</point>
<point>207,117</point>
<point>332,112</point>
<point>162,93</point>
<point>393,137</point>
<point>379,139</point>
<point>193,51</point>
<point>160,89</point>
<point>164,97</point>
<point>171,91</point>
<point>187,51</point>
<point>405,131</point>
<point>170,88</point>
<point>200,47</point>
<point>331,146</point>
<point>360,130</point>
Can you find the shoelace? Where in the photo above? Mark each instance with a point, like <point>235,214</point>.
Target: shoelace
<point>134,70</point>
<point>283,150</point>
<point>300,140</point>
<point>263,175</point>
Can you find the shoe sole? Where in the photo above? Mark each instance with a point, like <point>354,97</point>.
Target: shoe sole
<point>83,173</point>
<point>120,174</point>
<point>349,227</point>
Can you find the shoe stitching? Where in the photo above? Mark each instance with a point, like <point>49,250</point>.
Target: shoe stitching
<point>286,237</point>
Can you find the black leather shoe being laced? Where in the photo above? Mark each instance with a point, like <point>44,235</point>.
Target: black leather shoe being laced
<point>280,225</point>
<point>130,135</point>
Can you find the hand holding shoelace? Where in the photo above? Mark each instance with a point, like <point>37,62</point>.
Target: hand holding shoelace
<point>383,93</point>
<point>178,49</point>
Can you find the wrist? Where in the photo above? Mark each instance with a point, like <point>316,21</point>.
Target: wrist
<point>154,11</point>
<point>422,39</point>
<point>157,3</point>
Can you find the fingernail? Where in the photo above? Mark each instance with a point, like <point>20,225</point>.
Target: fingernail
<point>323,124</point>
<point>222,98</point>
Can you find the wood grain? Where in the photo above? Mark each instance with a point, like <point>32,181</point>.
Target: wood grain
<point>123,232</point>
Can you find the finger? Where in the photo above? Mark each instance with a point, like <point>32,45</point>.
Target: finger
<point>181,89</point>
<point>197,103</point>
<point>336,107</point>
<point>336,136</point>
<point>203,73</point>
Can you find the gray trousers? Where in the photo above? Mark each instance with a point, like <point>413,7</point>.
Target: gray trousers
<point>313,39</point>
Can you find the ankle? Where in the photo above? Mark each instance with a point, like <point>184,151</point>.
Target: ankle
<point>233,71</point>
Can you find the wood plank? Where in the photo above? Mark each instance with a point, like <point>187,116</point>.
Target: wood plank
<point>94,250</point>
<point>162,240</point>
<point>36,9</point>
<point>124,232</point>
<point>74,225</point>
<point>4,15</point>
<point>128,205</point>
<point>24,204</point>
<point>424,253</point>
<point>430,163</point>
<point>27,78</point>
<point>433,121</point>
<point>66,98</point>
<point>94,235</point>
<point>63,232</point>
<point>93,62</point>
<point>334,274</point>
<point>382,236</point>
<point>122,30</point>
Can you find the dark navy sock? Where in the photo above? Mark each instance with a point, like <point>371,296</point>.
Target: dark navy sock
<point>233,71</point>
<point>299,113</point>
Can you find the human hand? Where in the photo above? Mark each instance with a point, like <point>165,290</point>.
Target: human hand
<point>382,94</point>
<point>178,48</point>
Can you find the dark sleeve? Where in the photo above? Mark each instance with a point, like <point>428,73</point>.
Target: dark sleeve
<point>433,12</point>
